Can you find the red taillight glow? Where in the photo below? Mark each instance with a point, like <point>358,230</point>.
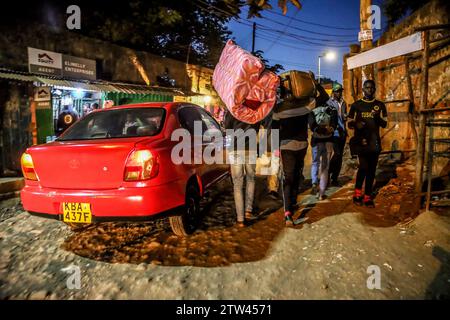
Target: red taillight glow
<point>141,165</point>
<point>28,167</point>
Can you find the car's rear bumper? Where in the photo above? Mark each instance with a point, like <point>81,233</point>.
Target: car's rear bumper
<point>106,205</point>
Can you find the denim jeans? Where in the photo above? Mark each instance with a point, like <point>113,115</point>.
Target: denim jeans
<point>244,168</point>
<point>321,153</point>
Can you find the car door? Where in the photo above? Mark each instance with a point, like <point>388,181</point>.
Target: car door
<point>215,141</point>
<point>191,120</point>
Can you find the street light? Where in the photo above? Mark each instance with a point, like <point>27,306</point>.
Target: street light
<point>328,55</point>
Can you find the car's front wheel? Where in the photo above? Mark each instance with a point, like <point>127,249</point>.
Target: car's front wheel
<point>185,223</point>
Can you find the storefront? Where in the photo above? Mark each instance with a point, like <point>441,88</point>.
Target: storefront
<point>53,96</point>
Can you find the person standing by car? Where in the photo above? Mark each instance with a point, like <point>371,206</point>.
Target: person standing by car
<point>66,118</point>
<point>242,157</point>
<point>368,115</point>
<point>323,122</point>
<point>340,134</point>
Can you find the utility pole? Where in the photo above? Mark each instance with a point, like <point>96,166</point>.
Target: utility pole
<point>253,37</point>
<point>364,15</point>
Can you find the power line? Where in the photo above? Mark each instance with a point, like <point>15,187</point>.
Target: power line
<point>267,37</point>
<point>315,24</point>
<point>278,38</point>
<point>309,31</point>
<point>302,65</point>
<point>224,14</point>
<point>295,36</point>
<point>270,29</point>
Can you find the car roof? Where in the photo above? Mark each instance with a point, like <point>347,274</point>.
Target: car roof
<point>142,105</point>
<point>166,105</point>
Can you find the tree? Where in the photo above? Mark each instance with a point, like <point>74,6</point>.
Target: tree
<point>275,68</point>
<point>397,9</point>
<point>256,6</point>
<point>188,30</point>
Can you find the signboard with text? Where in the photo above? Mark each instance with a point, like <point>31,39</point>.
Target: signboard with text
<point>74,67</point>
<point>365,35</point>
<point>57,64</point>
<point>42,94</point>
<point>44,62</point>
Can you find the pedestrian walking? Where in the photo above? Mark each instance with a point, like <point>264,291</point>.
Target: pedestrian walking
<point>368,115</point>
<point>340,134</point>
<point>322,122</point>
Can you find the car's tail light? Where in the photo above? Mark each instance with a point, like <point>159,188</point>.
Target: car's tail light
<point>28,167</point>
<point>141,165</point>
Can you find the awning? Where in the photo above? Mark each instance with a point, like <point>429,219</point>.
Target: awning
<point>15,76</point>
<point>104,86</point>
<point>136,89</point>
<point>65,84</point>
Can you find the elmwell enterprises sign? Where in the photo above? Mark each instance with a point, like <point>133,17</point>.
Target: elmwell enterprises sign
<point>57,64</point>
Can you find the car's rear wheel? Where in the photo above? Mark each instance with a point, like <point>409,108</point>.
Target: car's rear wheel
<point>185,223</point>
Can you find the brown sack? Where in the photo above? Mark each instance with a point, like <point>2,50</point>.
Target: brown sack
<point>298,83</point>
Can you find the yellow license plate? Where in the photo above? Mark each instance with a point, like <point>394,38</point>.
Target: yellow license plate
<point>77,212</point>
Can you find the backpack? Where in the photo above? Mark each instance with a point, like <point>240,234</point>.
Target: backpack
<point>322,117</point>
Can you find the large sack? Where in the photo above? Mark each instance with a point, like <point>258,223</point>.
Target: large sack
<point>298,83</point>
<point>248,91</point>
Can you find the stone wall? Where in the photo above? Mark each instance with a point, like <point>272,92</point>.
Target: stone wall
<point>114,63</point>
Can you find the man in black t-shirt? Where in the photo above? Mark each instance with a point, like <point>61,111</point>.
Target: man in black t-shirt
<point>368,115</point>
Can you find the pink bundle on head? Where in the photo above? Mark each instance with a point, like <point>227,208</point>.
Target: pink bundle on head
<point>248,91</point>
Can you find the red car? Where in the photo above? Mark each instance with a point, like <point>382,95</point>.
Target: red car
<point>115,164</point>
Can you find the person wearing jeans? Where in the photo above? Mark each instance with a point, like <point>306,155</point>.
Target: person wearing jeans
<point>242,158</point>
<point>322,149</point>
<point>243,166</point>
<point>340,134</point>
<point>321,154</point>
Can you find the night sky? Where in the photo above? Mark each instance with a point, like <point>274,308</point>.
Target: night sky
<point>285,44</point>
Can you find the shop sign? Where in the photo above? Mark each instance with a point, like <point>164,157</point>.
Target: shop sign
<point>43,105</point>
<point>44,62</point>
<point>74,67</point>
<point>57,64</point>
<point>42,94</point>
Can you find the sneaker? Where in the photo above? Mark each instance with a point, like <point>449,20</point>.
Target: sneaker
<point>321,197</point>
<point>358,197</point>
<point>368,201</point>
<point>248,215</point>
<point>289,222</point>
<point>240,224</point>
<point>314,189</point>
<point>358,200</point>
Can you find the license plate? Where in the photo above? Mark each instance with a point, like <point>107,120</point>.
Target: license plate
<point>77,212</point>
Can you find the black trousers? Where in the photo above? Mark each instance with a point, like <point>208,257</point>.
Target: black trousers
<point>293,162</point>
<point>366,171</point>
<point>336,159</point>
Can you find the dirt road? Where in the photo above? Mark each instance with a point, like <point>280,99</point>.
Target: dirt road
<point>326,257</point>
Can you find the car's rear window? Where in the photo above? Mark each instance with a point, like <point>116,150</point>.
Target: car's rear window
<point>119,123</point>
